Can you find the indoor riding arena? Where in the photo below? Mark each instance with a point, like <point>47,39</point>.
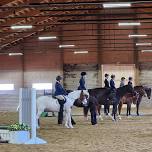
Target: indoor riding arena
<point>75,76</point>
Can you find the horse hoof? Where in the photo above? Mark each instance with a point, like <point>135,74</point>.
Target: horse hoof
<point>119,117</point>
<point>100,118</point>
<point>71,127</point>
<point>66,126</point>
<point>109,114</point>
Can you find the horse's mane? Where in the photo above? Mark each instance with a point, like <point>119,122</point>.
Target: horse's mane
<point>76,93</point>
<point>101,88</point>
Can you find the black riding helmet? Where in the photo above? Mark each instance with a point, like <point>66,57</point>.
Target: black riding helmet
<point>83,73</point>
<point>106,75</point>
<point>58,78</point>
<point>123,78</point>
<point>112,76</point>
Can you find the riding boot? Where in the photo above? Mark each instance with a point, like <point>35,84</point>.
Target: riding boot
<point>60,114</point>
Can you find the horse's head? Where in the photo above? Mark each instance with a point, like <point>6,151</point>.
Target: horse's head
<point>148,92</point>
<point>82,98</point>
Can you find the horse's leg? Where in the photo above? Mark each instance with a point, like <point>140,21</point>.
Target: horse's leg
<point>85,112</point>
<point>99,109</point>
<point>113,112</point>
<point>39,111</point>
<point>127,109</point>
<point>99,112</point>
<point>72,121</point>
<point>108,108</point>
<point>69,118</point>
<point>66,119</point>
<point>119,109</point>
<point>137,106</point>
<point>105,107</point>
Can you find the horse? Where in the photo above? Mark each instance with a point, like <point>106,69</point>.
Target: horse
<point>50,104</point>
<point>107,97</point>
<point>128,99</point>
<point>101,94</point>
<point>143,91</point>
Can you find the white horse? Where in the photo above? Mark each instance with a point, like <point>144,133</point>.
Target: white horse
<point>49,104</point>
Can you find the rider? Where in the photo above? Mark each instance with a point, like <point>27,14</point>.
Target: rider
<point>122,82</point>
<point>82,81</point>
<point>112,83</point>
<point>60,94</point>
<point>106,81</point>
<point>130,81</point>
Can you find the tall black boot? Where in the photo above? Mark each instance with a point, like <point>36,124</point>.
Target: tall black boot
<point>60,114</point>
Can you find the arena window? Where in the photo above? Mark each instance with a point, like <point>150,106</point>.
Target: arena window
<point>4,87</point>
<point>42,86</point>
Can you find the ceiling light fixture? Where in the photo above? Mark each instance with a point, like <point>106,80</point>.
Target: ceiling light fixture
<point>80,52</point>
<point>146,51</point>
<point>116,5</point>
<point>136,35</point>
<point>21,27</point>
<point>130,24</point>
<point>14,54</point>
<point>47,37</point>
<point>66,46</point>
<point>143,44</point>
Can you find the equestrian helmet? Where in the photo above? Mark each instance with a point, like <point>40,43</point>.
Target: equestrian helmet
<point>106,75</point>
<point>123,78</point>
<point>58,78</point>
<point>83,73</point>
<point>112,76</point>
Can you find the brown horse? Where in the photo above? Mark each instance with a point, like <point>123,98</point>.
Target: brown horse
<point>136,99</point>
<point>143,91</point>
<point>128,99</point>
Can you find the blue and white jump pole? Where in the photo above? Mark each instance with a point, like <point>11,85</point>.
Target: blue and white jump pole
<point>27,113</point>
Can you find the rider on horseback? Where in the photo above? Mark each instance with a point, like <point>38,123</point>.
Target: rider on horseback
<point>112,83</point>
<point>130,81</point>
<point>60,94</point>
<point>106,81</point>
<point>122,82</point>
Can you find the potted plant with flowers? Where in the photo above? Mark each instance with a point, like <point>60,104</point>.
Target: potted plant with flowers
<point>19,133</point>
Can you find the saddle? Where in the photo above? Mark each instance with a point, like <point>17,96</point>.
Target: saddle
<point>59,101</point>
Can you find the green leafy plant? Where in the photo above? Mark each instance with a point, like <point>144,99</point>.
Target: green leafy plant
<point>19,127</point>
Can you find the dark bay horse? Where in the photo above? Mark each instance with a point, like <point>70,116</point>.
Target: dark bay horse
<point>128,99</point>
<point>106,96</point>
<point>136,99</point>
<point>143,91</point>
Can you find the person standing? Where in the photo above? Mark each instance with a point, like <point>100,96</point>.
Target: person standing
<point>106,81</point>
<point>82,81</point>
<point>122,82</point>
<point>60,94</point>
<point>82,87</point>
